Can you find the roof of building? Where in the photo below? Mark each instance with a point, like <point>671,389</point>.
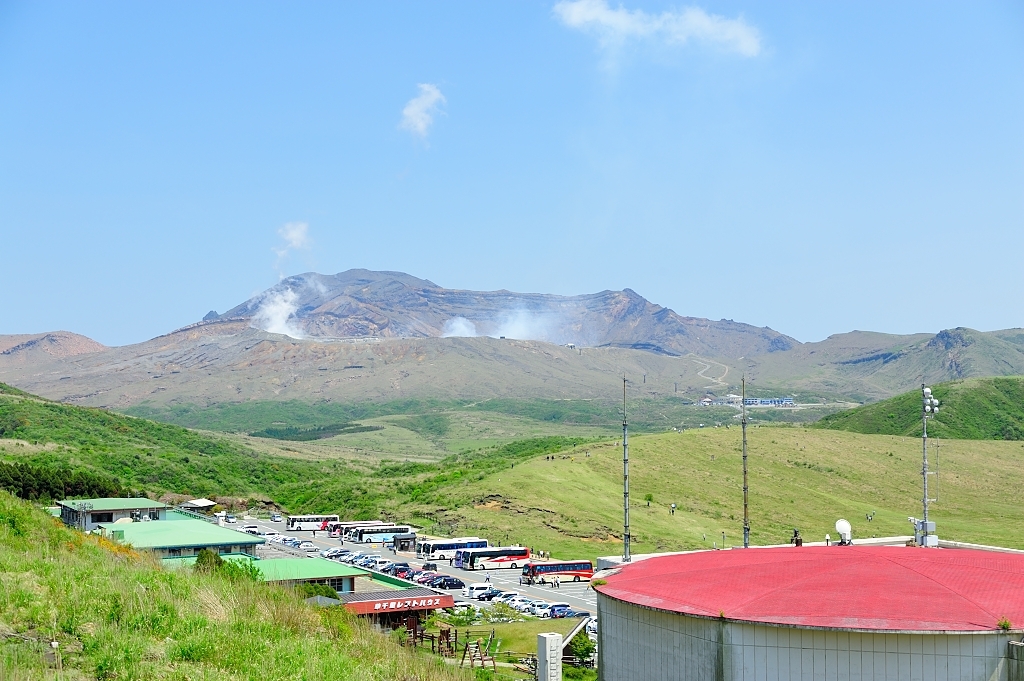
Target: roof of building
<point>114,504</point>
<point>185,533</point>
<point>874,588</point>
<point>200,503</point>
<point>287,569</point>
<point>323,601</point>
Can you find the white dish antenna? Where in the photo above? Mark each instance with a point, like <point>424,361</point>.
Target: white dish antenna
<point>845,530</point>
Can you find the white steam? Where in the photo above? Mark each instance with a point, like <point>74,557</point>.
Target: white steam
<point>518,324</point>
<point>459,327</point>
<point>276,314</point>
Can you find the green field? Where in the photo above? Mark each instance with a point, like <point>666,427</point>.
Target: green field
<point>799,478</point>
<point>975,409</point>
<point>511,484</point>
<point>116,615</point>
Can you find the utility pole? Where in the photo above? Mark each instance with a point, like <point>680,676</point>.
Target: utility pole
<point>625,478</point>
<point>743,425</point>
<point>929,407</point>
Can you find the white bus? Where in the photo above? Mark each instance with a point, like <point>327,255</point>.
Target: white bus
<point>512,557</point>
<point>310,522</point>
<point>444,549</point>
<point>338,529</point>
<point>351,533</point>
<point>380,533</point>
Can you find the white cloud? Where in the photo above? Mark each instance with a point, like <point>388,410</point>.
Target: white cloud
<point>295,235</point>
<point>615,26</point>
<point>418,114</point>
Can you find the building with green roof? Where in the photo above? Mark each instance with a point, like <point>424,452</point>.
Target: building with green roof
<point>184,537</point>
<point>88,514</point>
<point>292,571</point>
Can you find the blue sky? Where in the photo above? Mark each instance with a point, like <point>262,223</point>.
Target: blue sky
<point>816,167</point>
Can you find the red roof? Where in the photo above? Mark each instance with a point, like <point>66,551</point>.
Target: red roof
<point>848,587</point>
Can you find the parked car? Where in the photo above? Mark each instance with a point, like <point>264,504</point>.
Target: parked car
<point>574,613</point>
<point>474,590</point>
<point>446,582</point>
<point>275,517</point>
<point>539,608</point>
<point>426,577</point>
<point>230,518</point>
<point>592,627</point>
<point>551,610</point>
<point>250,529</point>
<point>489,595</point>
<point>270,534</point>
<point>307,546</point>
<point>430,567</point>
<point>506,596</point>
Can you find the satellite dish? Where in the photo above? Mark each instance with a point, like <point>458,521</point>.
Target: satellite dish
<point>845,530</point>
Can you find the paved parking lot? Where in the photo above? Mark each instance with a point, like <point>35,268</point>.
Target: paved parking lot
<point>576,594</point>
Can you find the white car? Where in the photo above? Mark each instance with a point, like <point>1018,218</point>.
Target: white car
<point>270,534</point>
<point>474,590</point>
<point>307,546</point>
<point>250,529</point>
<point>539,608</point>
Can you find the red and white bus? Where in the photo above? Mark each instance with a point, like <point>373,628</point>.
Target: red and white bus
<point>567,570</point>
<point>338,529</point>
<point>494,558</point>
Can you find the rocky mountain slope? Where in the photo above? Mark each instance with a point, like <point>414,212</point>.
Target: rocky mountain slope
<point>363,335</point>
<point>362,303</point>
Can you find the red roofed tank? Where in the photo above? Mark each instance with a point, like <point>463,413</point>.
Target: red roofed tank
<point>837,613</point>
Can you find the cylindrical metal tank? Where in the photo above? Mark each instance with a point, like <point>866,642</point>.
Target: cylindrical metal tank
<point>840,612</point>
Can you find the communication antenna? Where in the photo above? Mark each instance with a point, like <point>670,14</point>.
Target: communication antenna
<point>845,531</point>
<point>924,531</point>
<point>746,513</point>
<point>625,478</point>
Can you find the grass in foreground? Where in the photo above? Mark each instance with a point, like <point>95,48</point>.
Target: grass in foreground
<point>116,615</point>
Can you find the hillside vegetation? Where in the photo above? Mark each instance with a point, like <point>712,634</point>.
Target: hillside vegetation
<point>117,615</point>
<point>976,409</point>
<point>143,454</point>
<point>571,503</point>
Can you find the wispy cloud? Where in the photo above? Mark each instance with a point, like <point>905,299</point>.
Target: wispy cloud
<point>294,237</point>
<point>418,114</point>
<point>616,26</point>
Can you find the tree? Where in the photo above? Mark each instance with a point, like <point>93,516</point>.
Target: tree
<point>208,561</point>
<point>582,648</point>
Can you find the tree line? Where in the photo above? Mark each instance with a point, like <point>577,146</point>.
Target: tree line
<point>35,482</point>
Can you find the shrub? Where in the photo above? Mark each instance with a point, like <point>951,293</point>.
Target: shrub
<point>582,648</point>
<point>208,561</point>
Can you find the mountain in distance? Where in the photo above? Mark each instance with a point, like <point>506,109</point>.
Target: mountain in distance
<point>362,303</point>
<point>380,336</point>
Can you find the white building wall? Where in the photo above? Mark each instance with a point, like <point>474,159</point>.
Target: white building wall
<point>640,643</point>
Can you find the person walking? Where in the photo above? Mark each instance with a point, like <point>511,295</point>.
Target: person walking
<point>558,582</point>
<point>487,580</point>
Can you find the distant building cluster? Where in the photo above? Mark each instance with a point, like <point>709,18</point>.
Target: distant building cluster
<point>735,401</point>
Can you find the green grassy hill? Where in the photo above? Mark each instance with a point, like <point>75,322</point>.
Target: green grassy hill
<point>800,477</point>
<point>117,615</point>
<point>975,409</point>
<point>143,454</point>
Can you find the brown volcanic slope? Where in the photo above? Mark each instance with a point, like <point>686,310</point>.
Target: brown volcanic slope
<point>374,336</point>
<point>362,303</point>
<point>34,348</point>
<point>231,362</point>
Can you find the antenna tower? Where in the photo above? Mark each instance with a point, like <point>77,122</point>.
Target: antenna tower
<point>625,478</point>
<point>743,425</point>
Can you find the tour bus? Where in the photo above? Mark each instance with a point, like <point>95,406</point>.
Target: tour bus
<point>352,531</point>
<point>380,533</point>
<point>310,522</point>
<point>495,558</point>
<point>338,529</point>
<point>566,570</point>
<point>444,549</point>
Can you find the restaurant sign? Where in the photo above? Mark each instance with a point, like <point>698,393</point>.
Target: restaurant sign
<point>400,604</point>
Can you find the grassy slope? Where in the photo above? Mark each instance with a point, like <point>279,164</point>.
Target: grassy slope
<point>799,477</point>
<point>976,409</point>
<point>118,616</point>
<point>144,454</point>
